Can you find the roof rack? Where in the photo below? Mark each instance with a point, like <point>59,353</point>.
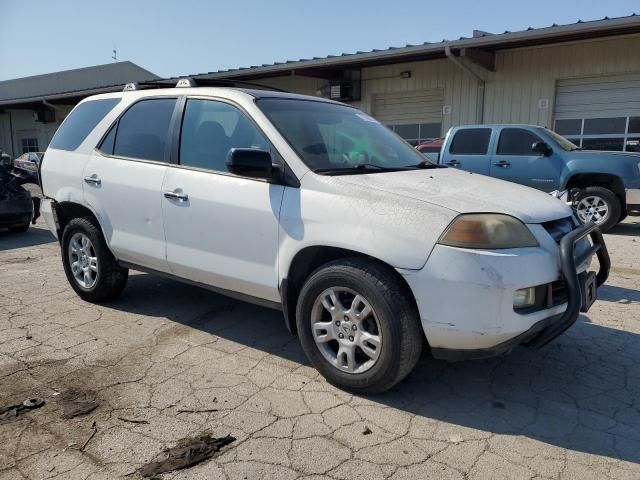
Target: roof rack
<point>188,82</point>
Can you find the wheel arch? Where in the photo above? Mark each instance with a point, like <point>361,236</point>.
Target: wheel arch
<point>310,258</point>
<point>66,211</point>
<point>605,180</point>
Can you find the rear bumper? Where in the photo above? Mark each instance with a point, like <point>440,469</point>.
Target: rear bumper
<point>465,298</point>
<point>47,212</point>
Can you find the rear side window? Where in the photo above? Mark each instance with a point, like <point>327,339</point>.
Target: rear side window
<point>143,131</point>
<point>516,141</point>
<point>471,141</point>
<point>80,122</point>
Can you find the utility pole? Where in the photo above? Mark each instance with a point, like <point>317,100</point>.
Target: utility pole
<point>115,55</point>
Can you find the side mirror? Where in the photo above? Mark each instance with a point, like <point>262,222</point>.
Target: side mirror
<point>250,162</point>
<point>541,148</point>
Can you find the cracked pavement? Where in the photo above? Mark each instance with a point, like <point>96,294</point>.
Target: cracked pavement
<point>568,411</point>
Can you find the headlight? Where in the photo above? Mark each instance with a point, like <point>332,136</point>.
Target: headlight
<point>487,230</point>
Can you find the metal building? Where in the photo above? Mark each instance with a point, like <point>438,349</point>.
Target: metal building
<point>582,80</point>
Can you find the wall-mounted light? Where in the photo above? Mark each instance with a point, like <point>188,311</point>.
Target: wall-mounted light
<point>405,74</point>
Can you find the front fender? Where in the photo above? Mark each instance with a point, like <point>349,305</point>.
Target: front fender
<point>401,232</point>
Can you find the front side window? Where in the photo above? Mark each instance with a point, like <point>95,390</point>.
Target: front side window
<point>143,131</point>
<point>471,141</point>
<point>332,138</point>
<point>516,141</point>
<point>210,129</point>
<point>80,123</point>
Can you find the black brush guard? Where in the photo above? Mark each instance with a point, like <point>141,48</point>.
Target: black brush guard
<point>568,263</point>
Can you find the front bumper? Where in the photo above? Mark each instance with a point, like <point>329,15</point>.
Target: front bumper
<point>465,297</point>
<point>633,201</point>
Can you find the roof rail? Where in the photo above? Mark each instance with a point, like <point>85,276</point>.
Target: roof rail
<point>188,82</point>
<point>222,82</point>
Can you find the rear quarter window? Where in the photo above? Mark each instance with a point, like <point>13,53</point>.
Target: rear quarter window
<point>81,122</point>
<point>471,141</point>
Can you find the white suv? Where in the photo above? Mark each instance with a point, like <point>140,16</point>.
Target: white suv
<point>315,208</point>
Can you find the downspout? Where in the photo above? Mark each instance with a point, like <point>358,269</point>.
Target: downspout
<point>13,149</point>
<point>479,79</point>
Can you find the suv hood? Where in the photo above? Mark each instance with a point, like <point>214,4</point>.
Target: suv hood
<point>464,192</point>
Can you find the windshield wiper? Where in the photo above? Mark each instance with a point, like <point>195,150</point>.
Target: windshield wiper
<point>359,167</point>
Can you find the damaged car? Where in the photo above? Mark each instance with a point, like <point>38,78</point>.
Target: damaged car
<point>18,208</point>
<point>315,208</point>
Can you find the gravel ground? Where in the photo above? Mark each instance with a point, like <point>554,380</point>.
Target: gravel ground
<point>568,411</point>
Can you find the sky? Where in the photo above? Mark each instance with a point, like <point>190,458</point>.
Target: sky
<point>180,37</point>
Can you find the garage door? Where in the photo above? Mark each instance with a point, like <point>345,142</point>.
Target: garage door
<point>414,115</point>
<point>600,113</point>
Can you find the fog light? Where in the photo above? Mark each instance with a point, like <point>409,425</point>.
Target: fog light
<point>525,297</point>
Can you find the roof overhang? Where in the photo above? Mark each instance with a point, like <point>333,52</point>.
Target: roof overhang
<point>327,67</point>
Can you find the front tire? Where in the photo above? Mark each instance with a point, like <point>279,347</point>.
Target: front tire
<point>599,205</point>
<point>91,268</point>
<point>358,326</point>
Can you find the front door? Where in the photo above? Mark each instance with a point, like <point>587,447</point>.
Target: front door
<point>515,161</point>
<point>221,229</point>
<point>123,182</point>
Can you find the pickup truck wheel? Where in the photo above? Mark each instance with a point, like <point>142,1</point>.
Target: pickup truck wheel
<point>600,206</point>
<point>357,327</point>
<point>91,269</point>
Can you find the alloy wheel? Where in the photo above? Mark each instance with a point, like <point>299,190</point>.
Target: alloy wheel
<point>346,330</point>
<point>592,209</point>
<point>83,260</point>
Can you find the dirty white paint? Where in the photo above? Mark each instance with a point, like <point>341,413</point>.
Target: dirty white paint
<point>247,242</point>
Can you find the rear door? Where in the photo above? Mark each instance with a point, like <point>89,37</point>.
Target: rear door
<point>123,182</point>
<point>469,150</point>
<point>61,172</point>
<point>221,229</point>
<point>515,161</point>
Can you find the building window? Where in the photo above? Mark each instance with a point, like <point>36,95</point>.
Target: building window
<point>610,133</point>
<point>30,145</point>
<point>416,133</point>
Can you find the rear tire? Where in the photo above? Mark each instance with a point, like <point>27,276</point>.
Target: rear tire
<point>393,324</point>
<point>602,200</point>
<point>91,269</point>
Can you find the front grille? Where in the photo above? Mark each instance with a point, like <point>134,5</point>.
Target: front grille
<point>559,228</point>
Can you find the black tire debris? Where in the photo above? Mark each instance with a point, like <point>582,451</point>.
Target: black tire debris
<point>186,453</point>
<point>9,412</point>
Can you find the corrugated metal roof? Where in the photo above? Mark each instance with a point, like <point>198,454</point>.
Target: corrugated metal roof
<point>530,36</point>
<point>77,80</point>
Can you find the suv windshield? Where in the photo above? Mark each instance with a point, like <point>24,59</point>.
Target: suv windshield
<point>338,139</point>
<point>562,142</point>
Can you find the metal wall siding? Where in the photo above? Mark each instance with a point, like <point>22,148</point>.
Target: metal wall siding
<point>460,91</point>
<point>524,76</point>
<point>599,96</point>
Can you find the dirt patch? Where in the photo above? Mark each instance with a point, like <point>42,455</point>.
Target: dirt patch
<point>188,452</point>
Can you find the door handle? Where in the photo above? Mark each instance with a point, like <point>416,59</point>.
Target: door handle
<point>182,197</point>
<point>453,163</point>
<point>502,163</point>
<point>93,180</point>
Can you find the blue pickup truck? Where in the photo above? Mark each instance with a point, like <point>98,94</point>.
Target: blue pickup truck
<point>609,182</point>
